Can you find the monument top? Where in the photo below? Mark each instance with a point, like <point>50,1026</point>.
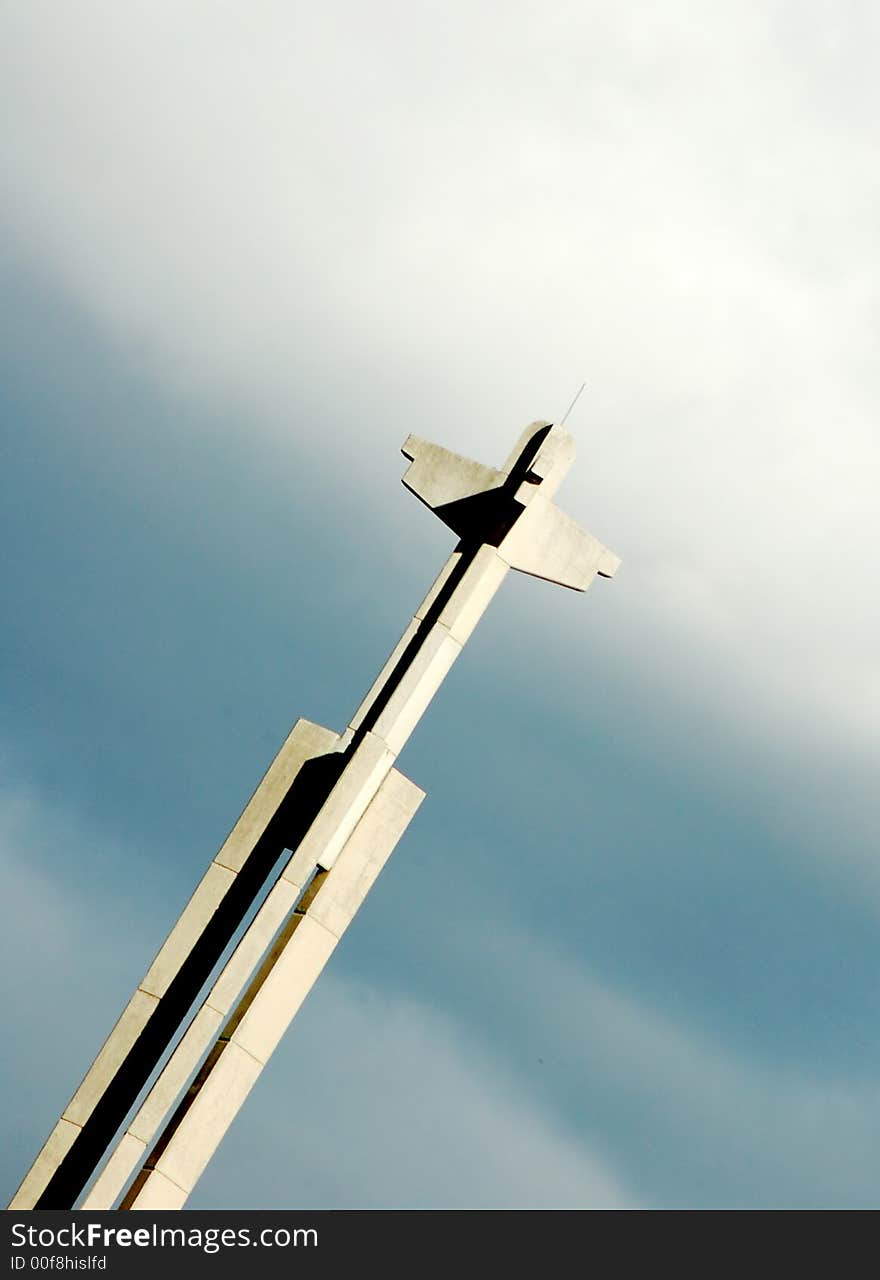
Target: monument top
<point>512,509</point>
<point>260,926</point>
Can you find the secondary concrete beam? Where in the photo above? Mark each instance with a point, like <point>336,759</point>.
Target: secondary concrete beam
<point>275,994</point>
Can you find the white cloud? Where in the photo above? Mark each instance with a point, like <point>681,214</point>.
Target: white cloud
<point>422,212</point>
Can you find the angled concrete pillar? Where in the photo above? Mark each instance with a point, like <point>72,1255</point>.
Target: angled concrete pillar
<point>175,1070</point>
<point>150,1021</point>
<point>285,957</point>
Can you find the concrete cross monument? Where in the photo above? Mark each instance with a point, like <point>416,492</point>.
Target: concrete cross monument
<point>299,862</point>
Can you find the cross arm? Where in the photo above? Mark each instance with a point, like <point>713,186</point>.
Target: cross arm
<point>511,509</point>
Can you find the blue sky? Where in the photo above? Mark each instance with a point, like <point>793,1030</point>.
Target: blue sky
<point>627,952</point>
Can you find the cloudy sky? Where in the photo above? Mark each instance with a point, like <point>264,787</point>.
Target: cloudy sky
<point>627,953</point>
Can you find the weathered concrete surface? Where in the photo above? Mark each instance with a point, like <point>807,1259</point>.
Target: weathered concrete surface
<point>53,1151</point>
<point>326,900</point>
<point>282,982</point>
<point>547,543</point>
<point>365,771</point>
<point>438,476</point>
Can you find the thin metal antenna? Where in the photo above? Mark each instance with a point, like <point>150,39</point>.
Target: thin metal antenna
<point>573,403</point>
